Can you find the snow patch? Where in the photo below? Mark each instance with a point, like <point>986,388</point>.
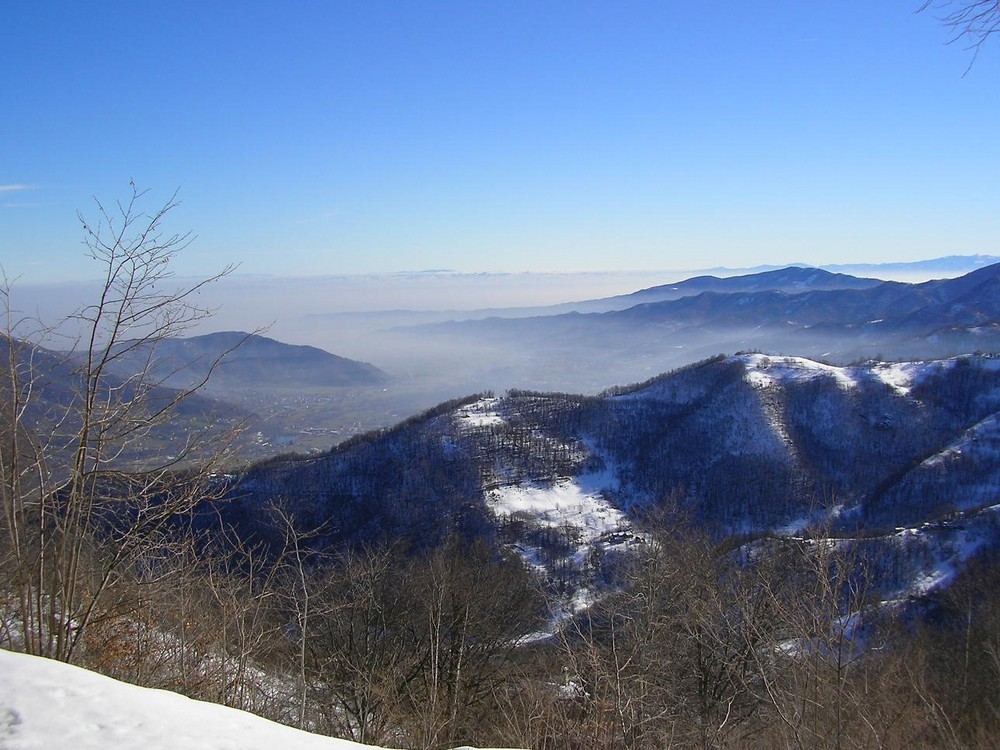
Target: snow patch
<point>482,413</point>
<point>764,371</point>
<point>579,509</point>
<point>901,377</point>
<point>568,502</point>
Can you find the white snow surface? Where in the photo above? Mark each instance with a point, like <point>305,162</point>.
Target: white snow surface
<point>481,413</point>
<point>764,370</point>
<point>901,377</point>
<point>577,505</point>
<point>46,704</point>
<point>566,502</point>
<point>578,501</point>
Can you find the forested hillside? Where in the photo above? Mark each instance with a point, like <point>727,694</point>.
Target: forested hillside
<point>712,545</point>
<point>743,445</point>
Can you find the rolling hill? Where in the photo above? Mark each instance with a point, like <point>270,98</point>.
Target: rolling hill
<point>238,360</point>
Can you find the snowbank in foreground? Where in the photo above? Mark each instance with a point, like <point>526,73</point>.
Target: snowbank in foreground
<point>46,704</point>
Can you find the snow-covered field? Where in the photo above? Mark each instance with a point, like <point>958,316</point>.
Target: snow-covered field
<point>574,503</point>
<point>480,414</point>
<point>46,705</point>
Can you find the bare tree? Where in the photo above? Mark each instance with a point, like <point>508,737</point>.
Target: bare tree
<point>75,525</point>
<point>824,620</point>
<point>361,658</point>
<point>415,648</point>
<point>970,21</point>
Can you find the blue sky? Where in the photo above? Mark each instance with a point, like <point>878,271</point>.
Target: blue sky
<point>355,137</point>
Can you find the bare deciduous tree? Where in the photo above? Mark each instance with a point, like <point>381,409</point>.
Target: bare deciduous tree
<point>75,525</point>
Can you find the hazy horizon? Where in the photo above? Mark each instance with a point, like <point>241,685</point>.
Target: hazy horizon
<point>357,316</point>
<point>435,290</point>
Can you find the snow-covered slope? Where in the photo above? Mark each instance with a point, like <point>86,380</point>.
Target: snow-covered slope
<point>743,445</point>
<point>46,704</point>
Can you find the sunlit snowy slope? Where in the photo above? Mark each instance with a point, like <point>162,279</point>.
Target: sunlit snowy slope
<point>46,704</point>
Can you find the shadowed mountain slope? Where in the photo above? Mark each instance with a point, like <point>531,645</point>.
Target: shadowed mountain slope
<point>791,280</point>
<point>248,361</point>
<point>742,445</point>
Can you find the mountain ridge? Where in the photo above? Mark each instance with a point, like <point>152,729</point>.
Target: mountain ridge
<point>743,444</point>
<point>236,359</point>
<point>589,351</point>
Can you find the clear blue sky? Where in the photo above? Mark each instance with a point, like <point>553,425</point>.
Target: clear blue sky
<point>369,136</point>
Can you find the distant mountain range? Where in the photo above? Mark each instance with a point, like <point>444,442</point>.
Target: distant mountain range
<point>807,311</point>
<point>790,279</point>
<point>950,265</point>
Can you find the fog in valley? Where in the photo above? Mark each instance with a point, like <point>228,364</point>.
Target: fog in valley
<point>439,335</point>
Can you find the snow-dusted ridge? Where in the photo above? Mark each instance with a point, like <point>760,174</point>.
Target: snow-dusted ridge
<point>764,370</point>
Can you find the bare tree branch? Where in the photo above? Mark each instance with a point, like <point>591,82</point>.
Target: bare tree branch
<point>970,22</point>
